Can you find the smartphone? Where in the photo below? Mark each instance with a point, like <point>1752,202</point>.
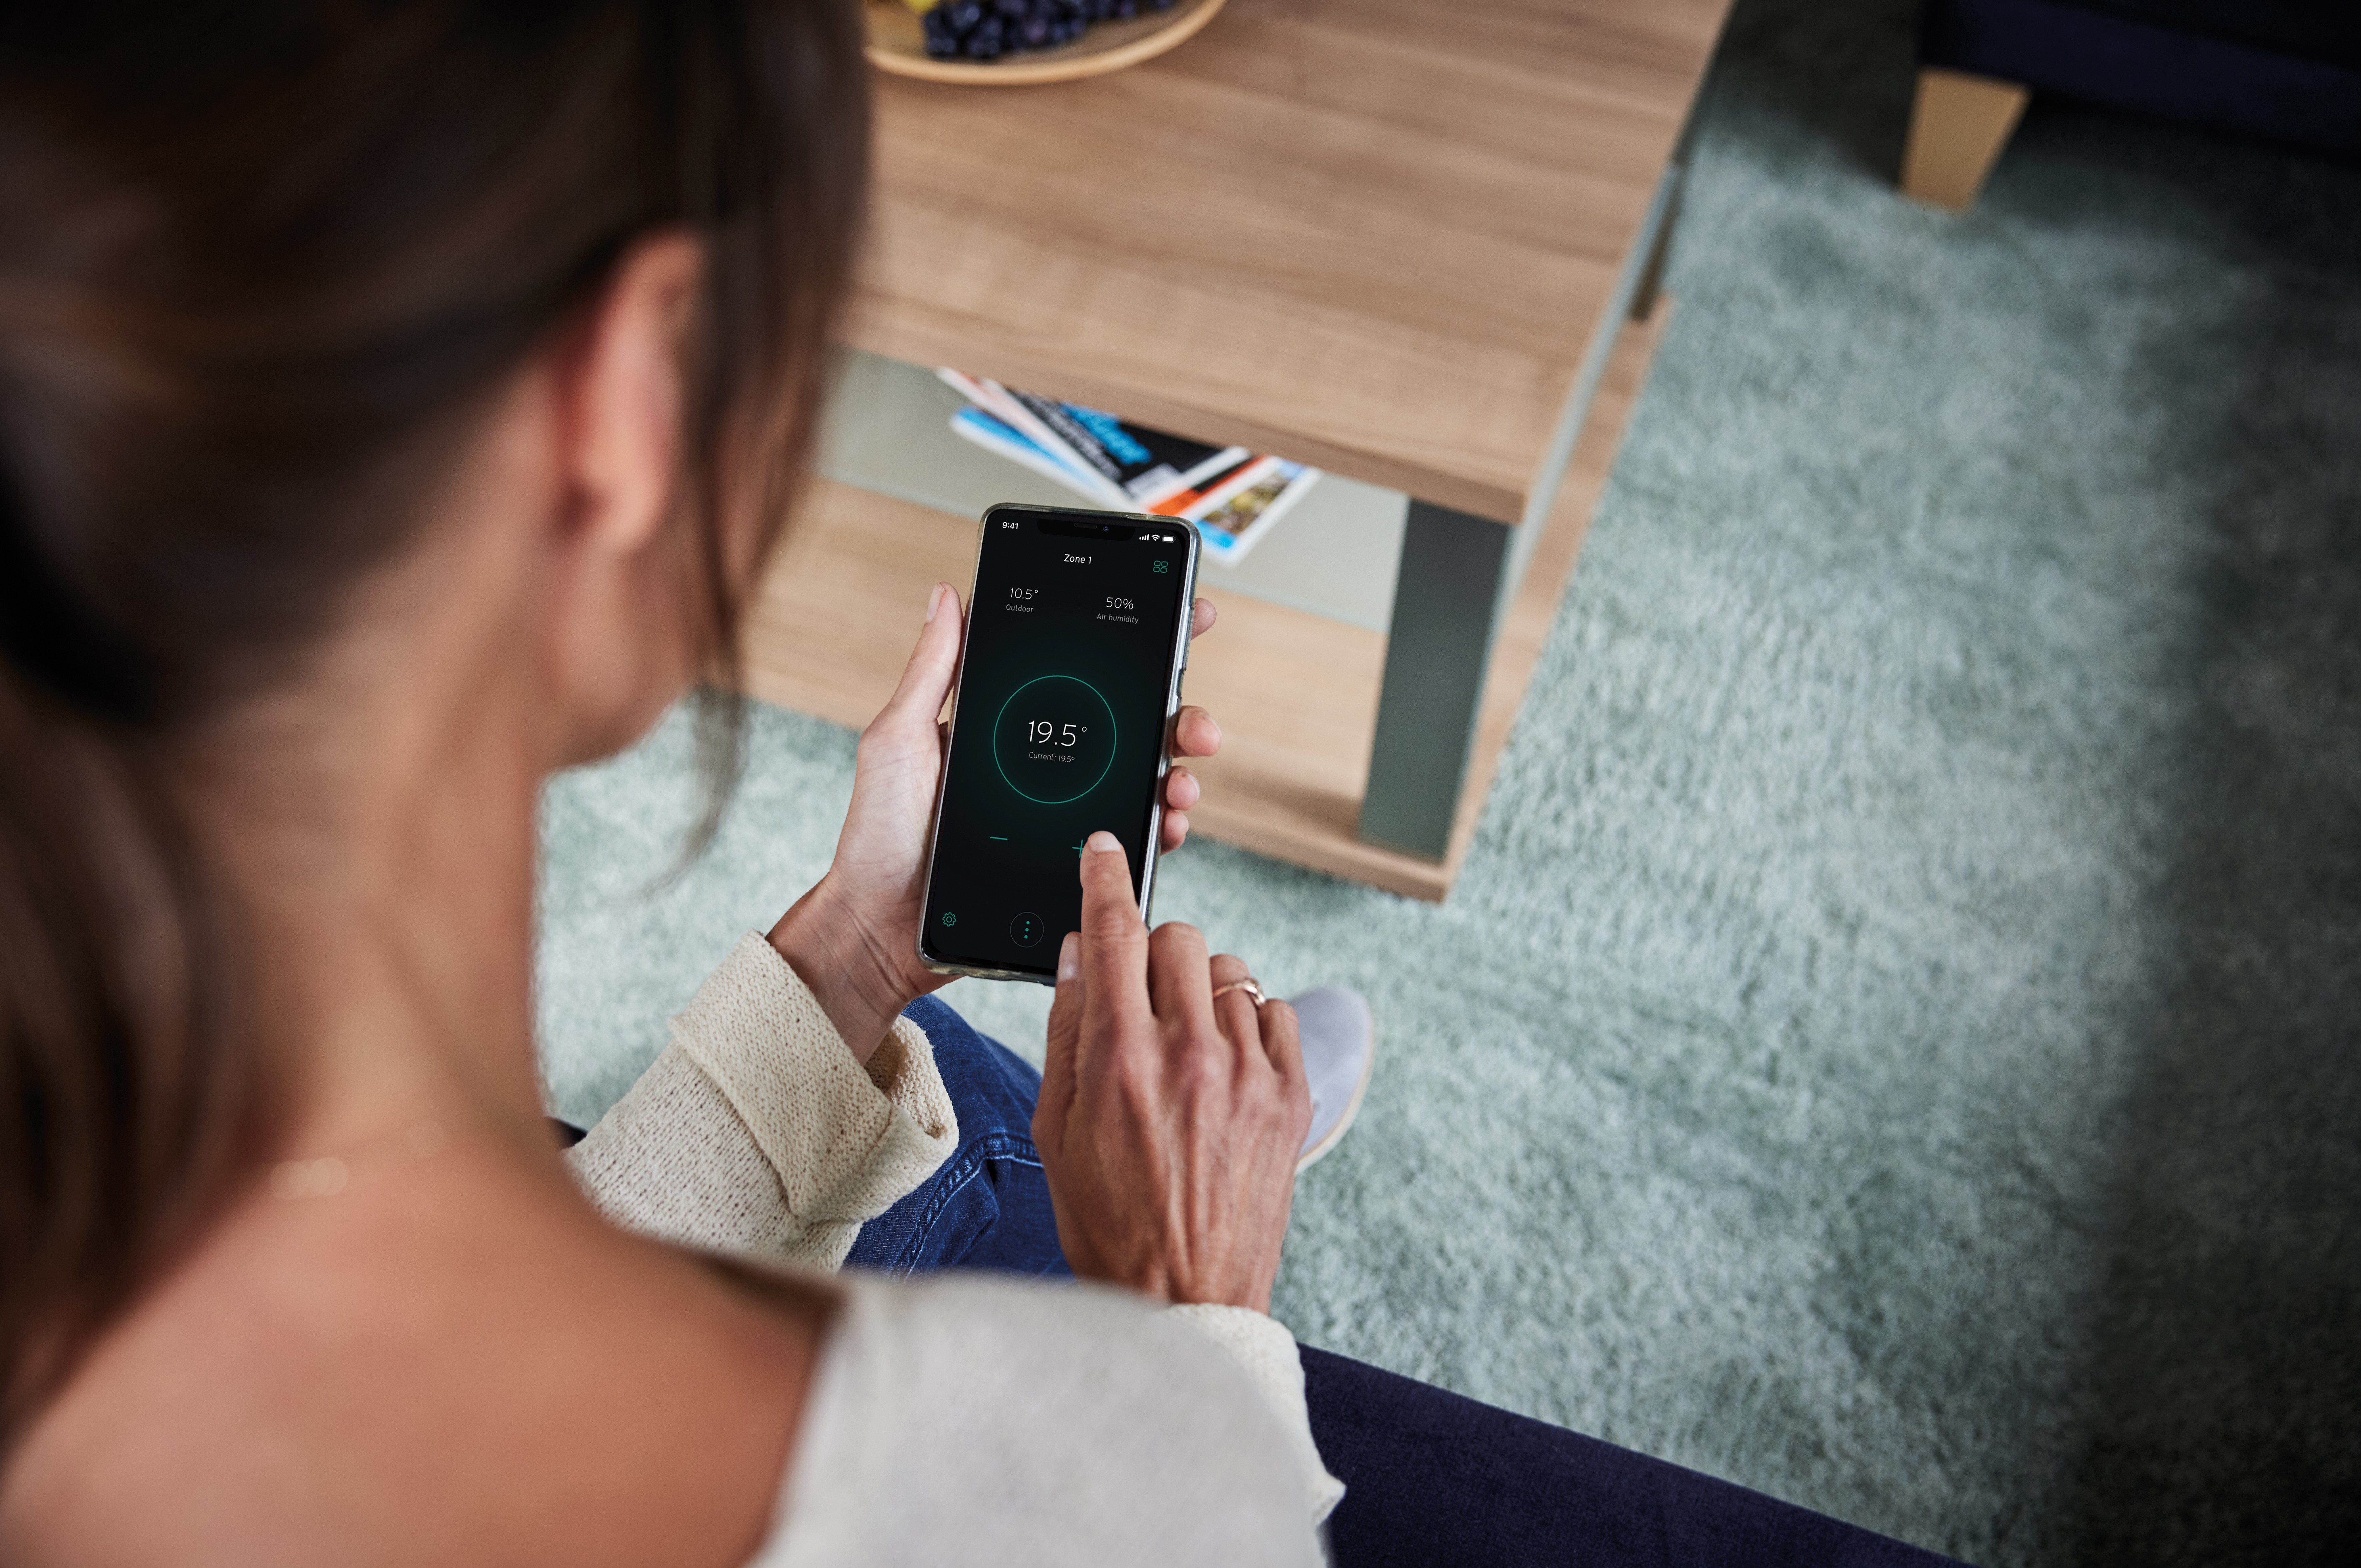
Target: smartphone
<point>1077,639</point>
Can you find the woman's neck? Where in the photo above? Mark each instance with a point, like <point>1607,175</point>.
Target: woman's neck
<point>386,857</point>
<point>378,813</point>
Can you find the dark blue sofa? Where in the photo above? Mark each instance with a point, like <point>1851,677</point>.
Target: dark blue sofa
<point>2288,71</point>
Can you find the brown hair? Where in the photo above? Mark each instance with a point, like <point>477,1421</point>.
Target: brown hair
<point>257,265</point>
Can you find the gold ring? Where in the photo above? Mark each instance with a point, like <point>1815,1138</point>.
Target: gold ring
<point>1252,987</point>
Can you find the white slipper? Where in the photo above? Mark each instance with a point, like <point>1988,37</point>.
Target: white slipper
<point>1340,1046</point>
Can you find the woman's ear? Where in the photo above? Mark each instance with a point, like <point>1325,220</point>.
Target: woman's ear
<point>620,642</point>
<point>623,395</point>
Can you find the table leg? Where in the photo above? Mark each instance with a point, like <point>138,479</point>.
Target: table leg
<point>1455,581</point>
<point>1456,576</point>
<point>1656,234</point>
<point>1959,128</point>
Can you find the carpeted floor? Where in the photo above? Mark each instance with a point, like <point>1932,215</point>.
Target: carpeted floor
<point>1898,1040</point>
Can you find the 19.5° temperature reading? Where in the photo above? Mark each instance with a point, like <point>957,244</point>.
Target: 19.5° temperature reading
<point>1050,762</point>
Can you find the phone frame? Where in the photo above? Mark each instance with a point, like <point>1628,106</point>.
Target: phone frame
<point>1176,667</point>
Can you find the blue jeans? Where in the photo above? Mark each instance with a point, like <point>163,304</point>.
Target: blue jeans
<point>988,1207</point>
<point>1430,1478</point>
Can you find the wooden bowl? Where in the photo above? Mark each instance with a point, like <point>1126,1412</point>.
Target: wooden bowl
<point>897,42</point>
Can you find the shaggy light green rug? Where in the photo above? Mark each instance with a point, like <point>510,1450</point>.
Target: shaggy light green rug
<point>1898,1040</point>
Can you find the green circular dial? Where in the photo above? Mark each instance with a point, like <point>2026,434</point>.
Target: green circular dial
<point>1054,739</point>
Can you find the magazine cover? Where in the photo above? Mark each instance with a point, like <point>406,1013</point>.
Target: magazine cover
<point>1150,466</point>
<point>1018,414</point>
<point>1215,490</point>
<point>1230,525</point>
<point>979,428</point>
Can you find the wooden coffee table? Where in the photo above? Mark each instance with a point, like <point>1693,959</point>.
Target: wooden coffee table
<point>1411,243</point>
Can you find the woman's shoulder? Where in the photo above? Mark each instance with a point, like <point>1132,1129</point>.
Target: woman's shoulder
<point>435,1365</point>
<point>998,1420</point>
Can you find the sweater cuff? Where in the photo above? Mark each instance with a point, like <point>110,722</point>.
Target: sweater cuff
<point>847,1143</point>
<point>1261,1345</point>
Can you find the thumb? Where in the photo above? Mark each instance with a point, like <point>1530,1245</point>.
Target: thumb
<point>1058,1069</point>
<point>926,678</point>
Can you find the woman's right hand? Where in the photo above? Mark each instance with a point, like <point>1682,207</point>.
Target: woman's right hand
<point>1169,1122</point>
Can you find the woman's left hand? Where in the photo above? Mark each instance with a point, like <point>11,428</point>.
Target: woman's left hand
<point>854,938</point>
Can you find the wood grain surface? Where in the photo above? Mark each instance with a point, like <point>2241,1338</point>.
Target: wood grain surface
<point>1296,693</point>
<point>1371,234</point>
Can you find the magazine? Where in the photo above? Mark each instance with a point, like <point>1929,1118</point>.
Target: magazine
<point>1149,465</point>
<point>1234,494</point>
<point>993,435</point>
<point>1018,416</point>
<point>1230,525</point>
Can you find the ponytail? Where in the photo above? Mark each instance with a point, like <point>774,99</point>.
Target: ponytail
<point>130,1103</point>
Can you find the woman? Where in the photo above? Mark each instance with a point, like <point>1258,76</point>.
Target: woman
<point>397,401</point>
<point>399,404</point>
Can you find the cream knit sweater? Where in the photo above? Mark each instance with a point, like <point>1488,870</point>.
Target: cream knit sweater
<point>756,1132</point>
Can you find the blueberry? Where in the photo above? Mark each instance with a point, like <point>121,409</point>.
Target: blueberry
<point>962,15</point>
<point>1125,10</point>
<point>1013,10</point>
<point>986,41</point>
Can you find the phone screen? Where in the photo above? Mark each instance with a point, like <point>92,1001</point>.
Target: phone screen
<point>1073,635</point>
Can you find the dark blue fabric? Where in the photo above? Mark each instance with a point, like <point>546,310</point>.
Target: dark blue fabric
<point>2309,98</point>
<point>2313,29</point>
<point>989,1205</point>
<point>1432,1479</point>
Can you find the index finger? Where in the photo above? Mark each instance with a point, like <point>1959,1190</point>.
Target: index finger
<point>1114,938</point>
